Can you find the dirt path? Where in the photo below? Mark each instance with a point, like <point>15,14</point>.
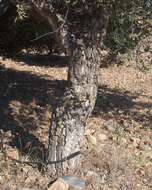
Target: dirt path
<point>118,143</point>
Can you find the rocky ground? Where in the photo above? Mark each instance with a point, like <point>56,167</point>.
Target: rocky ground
<point>117,151</point>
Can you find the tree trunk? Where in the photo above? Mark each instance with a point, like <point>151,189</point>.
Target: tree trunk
<point>70,116</point>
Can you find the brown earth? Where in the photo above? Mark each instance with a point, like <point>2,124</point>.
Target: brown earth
<point>117,152</point>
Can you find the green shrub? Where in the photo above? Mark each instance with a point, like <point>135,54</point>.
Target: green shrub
<point>129,23</point>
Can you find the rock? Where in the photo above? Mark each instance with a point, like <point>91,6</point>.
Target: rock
<point>92,140</point>
<point>68,183</point>
<point>136,142</point>
<point>13,153</point>
<point>30,179</point>
<point>74,182</point>
<point>59,185</point>
<point>111,125</point>
<point>102,137</point>
<point>93,174</point>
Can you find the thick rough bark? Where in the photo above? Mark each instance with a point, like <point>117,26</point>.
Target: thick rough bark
<point>70,116</point>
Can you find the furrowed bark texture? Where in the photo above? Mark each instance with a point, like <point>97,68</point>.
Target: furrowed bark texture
<point>70,116</point>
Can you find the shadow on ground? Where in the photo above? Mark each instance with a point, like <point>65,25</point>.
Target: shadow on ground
<point>42,60</point>
<point>25,106</point>
<point>111,103</point>
<point>26,102</point>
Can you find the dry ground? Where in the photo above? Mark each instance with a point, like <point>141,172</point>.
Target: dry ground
<point>117,152</point>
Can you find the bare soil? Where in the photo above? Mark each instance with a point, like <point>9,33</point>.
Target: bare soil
<point>117,151</point>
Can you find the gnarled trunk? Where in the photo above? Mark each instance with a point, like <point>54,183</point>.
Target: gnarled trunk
<point>70,116</point>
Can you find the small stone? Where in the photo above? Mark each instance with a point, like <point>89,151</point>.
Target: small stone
<point>13,153</point>
<point>92,139</point>
<point>111,125</point>
<point>91,173</point>
<point>136,142</point>
<point>89,131</point>
<point>59,185</point>
<point>31,179</point>
<point>74,182</point>
<point>68,183</point>
<point>102,137</point>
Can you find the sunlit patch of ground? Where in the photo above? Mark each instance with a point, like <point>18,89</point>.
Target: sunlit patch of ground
<point>118,139</point>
